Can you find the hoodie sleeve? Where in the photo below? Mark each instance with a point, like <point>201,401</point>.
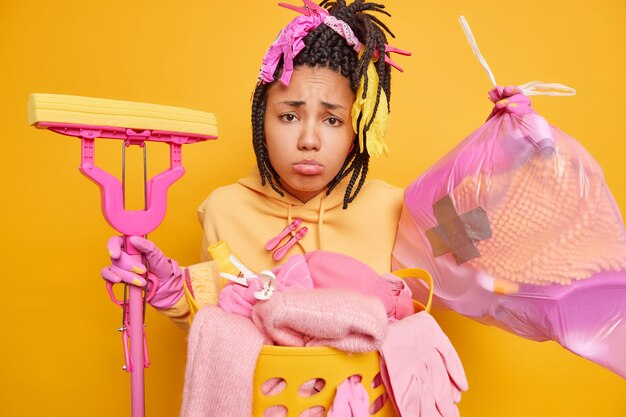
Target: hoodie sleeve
<point>208,226</point>
<point>202,285</point>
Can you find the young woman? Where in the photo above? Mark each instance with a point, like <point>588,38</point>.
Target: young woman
<point>319,111</point>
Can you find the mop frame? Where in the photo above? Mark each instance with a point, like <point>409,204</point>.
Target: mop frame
<point>130,223</point>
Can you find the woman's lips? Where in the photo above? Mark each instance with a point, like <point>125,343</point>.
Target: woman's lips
<point>308,168</point>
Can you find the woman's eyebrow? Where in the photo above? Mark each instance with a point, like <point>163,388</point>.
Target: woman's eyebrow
<point>325,104</point>
<point>293,103</point>
<point>332,106</point>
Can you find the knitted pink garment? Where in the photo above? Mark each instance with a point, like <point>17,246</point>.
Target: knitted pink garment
<point>222,353</point>
<point>345,320</point>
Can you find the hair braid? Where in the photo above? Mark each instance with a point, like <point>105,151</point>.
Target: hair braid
<point>362,162</point>
<point>258,140</point>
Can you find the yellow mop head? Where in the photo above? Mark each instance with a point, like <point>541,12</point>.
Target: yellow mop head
<point>117,113</point>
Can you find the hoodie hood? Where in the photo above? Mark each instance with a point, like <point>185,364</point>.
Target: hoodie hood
<point>252,218</point>
<point>290,207</point>
<point>334,199</point>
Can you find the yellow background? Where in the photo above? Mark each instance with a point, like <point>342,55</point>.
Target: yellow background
<point>60,353</point>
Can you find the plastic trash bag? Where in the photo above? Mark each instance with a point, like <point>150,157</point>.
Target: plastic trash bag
<point>519,230</point>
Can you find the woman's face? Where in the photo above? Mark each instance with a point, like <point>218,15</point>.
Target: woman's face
<point>308,130</point>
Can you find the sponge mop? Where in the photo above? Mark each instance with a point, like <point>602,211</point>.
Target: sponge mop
<point>135,123</point>
<point>90,111</point>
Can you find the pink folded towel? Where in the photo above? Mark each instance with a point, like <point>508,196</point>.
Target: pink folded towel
<point>334,270</point>
<point>345,320</point>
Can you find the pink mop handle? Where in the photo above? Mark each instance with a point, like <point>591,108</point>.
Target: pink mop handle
<point>135,328</point>
<point>139,223</point>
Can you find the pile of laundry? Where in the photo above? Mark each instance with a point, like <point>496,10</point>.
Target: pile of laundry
<point>321,299</point>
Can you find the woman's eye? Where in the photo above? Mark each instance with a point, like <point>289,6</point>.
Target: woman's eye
<point>333,121</point>
<point>289,117</point>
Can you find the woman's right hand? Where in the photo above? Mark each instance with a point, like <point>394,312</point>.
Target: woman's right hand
<point>123,268</point>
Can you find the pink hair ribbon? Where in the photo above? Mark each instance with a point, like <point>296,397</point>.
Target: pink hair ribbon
<point>290,42</point>
<point>345,31</point>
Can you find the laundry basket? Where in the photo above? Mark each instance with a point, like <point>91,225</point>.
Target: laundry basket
<point>298,365</point>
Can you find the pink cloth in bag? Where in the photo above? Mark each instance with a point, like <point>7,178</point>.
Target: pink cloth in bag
<point>519,230</point>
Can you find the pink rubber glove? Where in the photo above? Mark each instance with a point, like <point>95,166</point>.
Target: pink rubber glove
<point>124,268</point>
<point>422,368</point>
<point>351,399</point>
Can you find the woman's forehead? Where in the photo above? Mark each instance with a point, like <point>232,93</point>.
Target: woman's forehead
<point>313,83</point>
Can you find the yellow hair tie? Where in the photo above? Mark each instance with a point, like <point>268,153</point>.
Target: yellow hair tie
<point>365,106</point>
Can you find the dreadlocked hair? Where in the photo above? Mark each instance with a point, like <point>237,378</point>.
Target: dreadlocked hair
<point>325,48</point>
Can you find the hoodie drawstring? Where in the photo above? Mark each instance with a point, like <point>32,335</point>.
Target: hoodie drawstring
<point>320,224</point>
<point>288,213</point>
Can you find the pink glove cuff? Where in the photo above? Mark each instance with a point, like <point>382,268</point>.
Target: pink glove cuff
<point>403,297</point>
<point>169,292</point>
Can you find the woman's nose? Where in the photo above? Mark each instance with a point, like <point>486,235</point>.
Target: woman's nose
<point>309,138</point>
